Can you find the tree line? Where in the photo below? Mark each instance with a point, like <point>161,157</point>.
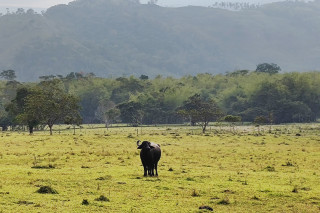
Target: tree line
<point>263,96</point>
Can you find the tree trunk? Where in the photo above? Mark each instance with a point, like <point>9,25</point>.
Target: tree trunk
<point>31,130</point>
<point>204,128</point>
<point>4,128</point>
<point>50,127</point>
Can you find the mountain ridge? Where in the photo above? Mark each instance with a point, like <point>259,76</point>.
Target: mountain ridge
<point>115,38</point>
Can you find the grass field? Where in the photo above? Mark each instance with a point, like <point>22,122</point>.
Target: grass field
<point>99,170</point>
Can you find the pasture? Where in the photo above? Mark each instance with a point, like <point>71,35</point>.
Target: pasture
<point>99,170</point>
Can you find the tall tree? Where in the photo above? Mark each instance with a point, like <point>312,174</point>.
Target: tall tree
<point>102,115</point>
<point>200,110</point>
<point>17,110</point>
<point>5,121</point>
<point>50,104</point>
<point>131,113</point>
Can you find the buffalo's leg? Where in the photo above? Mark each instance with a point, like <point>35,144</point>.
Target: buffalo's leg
<point>150,171</point>
<point>156,168</point>
<point>145,170</point>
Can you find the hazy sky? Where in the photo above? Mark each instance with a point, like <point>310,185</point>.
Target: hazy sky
<point>31,3</point>
<point>49,3</point>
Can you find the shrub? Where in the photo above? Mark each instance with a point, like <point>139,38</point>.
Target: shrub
<point>47,190</point>
<point>270,169</point>
<point>195,193</point>
<point>102,198</point>
<point>85,202</point>
<point>206,208</point>
<point>224,201</point>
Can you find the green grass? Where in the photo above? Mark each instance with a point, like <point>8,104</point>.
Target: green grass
<point>242,171</point>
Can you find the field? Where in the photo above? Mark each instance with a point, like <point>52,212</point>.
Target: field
<point>99,170</point>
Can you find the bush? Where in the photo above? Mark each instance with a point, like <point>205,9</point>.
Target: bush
<point>85,202</point>
<point>102,198</point>
<point>225,201</point>
<point>47,190</point>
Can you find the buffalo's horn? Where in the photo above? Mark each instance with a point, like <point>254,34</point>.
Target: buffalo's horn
<point>138,143</point>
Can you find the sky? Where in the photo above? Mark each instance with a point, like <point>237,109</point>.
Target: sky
<point>31,3</point>
<point>44,4</point>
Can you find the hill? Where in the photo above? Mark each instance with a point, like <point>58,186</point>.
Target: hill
<point>123,37</point>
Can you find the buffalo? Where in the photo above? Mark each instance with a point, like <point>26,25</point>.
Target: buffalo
<point>150,155</point>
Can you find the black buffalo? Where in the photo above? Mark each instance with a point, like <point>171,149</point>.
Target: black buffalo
<point>150,155</point>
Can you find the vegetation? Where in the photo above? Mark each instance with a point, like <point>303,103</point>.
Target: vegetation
<point>243,95</point>
<point>95,167</point>
<point>115,38</point>
<point>46,104</point>
<point>268,68</point>
<point>200,111</point>
<point>99,170</point>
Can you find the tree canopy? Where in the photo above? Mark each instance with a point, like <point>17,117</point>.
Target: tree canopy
<point>201,111</point>
<point>279,98</point>
<point>46,103</point>
<point>9,75</point>
<point>268,68</point>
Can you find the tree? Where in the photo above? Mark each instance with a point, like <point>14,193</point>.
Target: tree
<point>20,11</point>
<point>74,118</point>
<point>200,111</point>
<point>127,86</point>
<point>131,113</point>
<point>50,104</point>
<point>112,115</point>
<point>5,121</point>
<point>232,119</point>
<point>9,75</point>
<point>102,115</point>
<point>238,73</point>
<point>11,85</point>
<point>30,12</point>
<point>293,111</point>
<point>17,110</point>
<point>268,68</point>
<point>261,120</point>
<point>47,77</point>
<point>144,77</point>
<point>153,108</point>
<point>90,101</point>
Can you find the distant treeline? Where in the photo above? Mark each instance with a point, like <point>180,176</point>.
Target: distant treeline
<point>277,98</point>
<point>235,5</point>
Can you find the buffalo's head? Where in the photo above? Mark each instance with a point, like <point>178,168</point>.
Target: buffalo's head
<point>144,145</point>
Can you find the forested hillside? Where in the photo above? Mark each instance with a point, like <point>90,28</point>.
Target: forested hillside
<point>273,98</point>
<point>114,38</point>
